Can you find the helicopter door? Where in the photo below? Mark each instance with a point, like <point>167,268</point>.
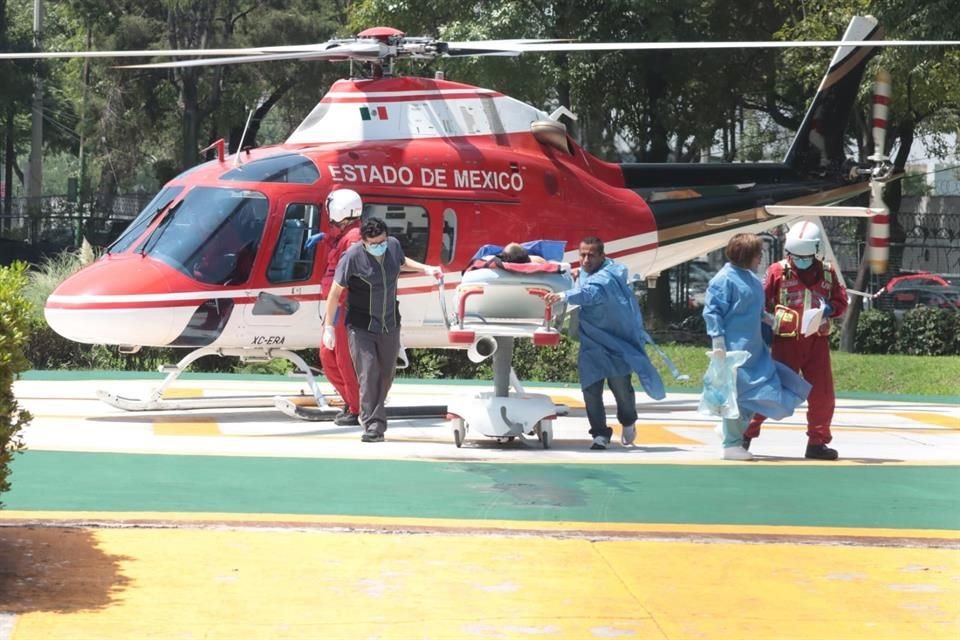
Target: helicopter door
<point>287,308</point>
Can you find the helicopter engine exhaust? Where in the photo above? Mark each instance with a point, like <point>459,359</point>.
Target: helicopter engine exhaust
<point>481,349</point>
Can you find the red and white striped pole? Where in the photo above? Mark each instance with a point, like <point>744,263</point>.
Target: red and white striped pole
<point>879,241</point>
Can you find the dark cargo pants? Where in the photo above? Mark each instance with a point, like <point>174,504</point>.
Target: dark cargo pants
<point>375,361</point>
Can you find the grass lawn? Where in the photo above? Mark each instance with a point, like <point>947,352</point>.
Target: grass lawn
<point>852,373</point>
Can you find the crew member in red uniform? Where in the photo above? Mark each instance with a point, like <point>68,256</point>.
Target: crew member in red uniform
<point>798,283</point>
<point>344,207</point>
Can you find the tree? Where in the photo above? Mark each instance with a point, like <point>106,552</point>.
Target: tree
<point>15,99</point>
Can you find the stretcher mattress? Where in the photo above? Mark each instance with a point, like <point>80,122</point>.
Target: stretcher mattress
<point>506,294</point>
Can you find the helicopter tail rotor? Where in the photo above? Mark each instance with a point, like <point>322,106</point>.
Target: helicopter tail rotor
<point>879,232</point>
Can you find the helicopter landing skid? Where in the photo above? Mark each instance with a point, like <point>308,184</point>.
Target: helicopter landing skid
<point>157,402</point>
<point>313,413</point>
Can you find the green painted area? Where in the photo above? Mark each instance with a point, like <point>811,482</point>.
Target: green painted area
<point>895,496</point>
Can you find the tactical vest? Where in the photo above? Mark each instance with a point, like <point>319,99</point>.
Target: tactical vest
<point>795,298</point>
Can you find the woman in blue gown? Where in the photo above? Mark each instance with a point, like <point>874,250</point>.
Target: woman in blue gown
<point>733,311</point>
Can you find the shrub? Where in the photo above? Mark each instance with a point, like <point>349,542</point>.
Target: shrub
<point>876,332</point>
<point>14,331</point>
<point>927,331</point>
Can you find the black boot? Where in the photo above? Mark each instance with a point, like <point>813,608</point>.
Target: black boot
<point>346,419</point>
<point>821,452</point>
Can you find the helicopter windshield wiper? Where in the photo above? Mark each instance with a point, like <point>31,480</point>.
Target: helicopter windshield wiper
<point>160,230</point>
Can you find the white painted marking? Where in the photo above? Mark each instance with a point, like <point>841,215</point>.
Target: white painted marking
<point>7,623</point>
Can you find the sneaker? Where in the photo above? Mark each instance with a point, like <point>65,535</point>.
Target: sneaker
<point>629,435</point>
<point>600,442</point>
<point>821,452</point>
<point>371,437</point>
<point>736,453</point>
<point>346,419</point>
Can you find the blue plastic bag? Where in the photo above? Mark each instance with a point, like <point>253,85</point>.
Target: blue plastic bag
<point>719,397</point>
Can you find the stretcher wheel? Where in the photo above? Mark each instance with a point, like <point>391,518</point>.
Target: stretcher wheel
<point>459,432</point>
<point>544,431</point>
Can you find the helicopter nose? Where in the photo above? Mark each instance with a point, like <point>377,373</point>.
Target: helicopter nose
<point>118,300</point>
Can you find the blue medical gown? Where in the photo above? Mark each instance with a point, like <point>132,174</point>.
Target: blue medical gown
<point>612,336</point>
<point>732,308</point>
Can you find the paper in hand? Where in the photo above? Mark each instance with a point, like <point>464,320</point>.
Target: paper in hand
<point>811,321</point>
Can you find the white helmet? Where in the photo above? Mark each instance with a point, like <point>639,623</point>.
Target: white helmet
<point>803,239</point>
<point>343,204</point>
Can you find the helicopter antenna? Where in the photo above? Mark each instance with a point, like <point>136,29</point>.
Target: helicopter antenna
<point>236,158</point>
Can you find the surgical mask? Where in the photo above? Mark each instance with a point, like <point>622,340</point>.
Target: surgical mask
<point>376,250</point>
<point>803,263</point>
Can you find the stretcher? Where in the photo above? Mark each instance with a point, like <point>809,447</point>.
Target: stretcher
<point>493,307</point>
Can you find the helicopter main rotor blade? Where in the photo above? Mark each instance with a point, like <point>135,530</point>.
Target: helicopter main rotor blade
<point>762,44</point>
<point>141,53</point>
<point>494,47</point>
<point>363,51</point>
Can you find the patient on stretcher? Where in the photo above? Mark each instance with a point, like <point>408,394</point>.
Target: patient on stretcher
<point>509,277</point>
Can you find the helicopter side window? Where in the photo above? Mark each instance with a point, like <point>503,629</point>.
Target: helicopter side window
<point>292,260</point>
<point>228,257</point>
<point>408,223</point>
<point>449,237</point>
<point>290,168</point>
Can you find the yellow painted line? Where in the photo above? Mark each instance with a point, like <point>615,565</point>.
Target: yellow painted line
<point>573,403</point>
<point>653,434</point>
<point>184,392</point>
<point>266,584</point>
<point>940,420</point>
<point>195,427</point>
<point>463,524</point>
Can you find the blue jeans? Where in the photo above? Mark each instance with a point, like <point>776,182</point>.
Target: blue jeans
<point>626,405</point>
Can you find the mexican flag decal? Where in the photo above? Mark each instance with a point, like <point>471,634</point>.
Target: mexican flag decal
<point>374,113</point>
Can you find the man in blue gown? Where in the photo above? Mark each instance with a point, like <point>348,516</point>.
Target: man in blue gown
<point>612,339</point>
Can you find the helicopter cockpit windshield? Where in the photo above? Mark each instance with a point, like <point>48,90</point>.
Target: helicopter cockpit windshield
<point>212,235</point>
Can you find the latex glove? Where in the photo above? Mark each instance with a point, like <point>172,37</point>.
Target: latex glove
<point>553,298</point>
<point>433,271</point>
<point>329,338</point>
<point>313,240</point>
<point>827,309</point>
<point>768,318</point>
<point>719,348</point>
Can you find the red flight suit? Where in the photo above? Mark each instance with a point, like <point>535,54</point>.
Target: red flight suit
<point>801,289</point>
<point>337,364</point>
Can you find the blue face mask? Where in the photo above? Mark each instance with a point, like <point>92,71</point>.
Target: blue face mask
<point>376,250</point>
<point>803,263</point>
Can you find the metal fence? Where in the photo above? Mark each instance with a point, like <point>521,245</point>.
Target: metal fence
<point>59,222</point>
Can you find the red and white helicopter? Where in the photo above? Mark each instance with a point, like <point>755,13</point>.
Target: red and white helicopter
<point>218,263</point>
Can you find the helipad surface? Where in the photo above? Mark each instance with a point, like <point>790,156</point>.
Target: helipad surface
<point>241,523</point>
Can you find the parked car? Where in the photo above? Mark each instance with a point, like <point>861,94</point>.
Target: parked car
<point>909,280</point>
<point>904,298</point>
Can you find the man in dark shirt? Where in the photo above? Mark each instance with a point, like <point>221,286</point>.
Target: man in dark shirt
<point>369,272</point>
